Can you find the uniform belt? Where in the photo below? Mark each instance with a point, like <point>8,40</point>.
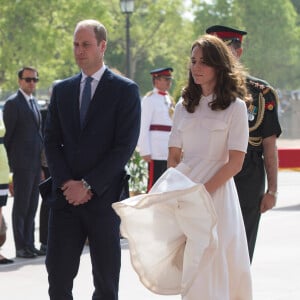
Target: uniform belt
<point>254,156</point>
<point>1,140</point>
<point>160,127</point>
<point>255,149</point>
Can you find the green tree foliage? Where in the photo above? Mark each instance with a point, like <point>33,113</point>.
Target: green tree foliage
<point>296,4</point>
<point>271,48</point>
<point>160,37</point>
<point>40,33</point>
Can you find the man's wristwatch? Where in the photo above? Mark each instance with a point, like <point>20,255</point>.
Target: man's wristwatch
<point>86,185</point>
<point>274,194</point>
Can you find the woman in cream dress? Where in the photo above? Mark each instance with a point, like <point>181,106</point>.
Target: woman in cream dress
<point>186,236</point>
<point>208,142</point>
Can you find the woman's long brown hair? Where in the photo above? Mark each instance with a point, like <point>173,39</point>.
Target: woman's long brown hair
<point>231,76</point>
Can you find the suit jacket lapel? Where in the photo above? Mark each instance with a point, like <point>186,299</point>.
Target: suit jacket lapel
<point>26,108</point>
<point>74,93</point>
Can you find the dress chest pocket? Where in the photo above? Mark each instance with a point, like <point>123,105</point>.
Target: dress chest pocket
<point>216,135</point>
<point>206,138</point>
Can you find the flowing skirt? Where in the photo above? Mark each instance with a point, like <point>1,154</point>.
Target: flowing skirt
<point>168,231</point>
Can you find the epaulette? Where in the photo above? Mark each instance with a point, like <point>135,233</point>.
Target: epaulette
<point>257,85</point>
<point>148,94</point>
<point>271,98</point>
<point>263,87</point>
<point>172,100</point>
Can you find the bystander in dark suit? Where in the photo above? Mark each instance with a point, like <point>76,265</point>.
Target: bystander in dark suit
<point>86,157</point>
<point>23,141</point>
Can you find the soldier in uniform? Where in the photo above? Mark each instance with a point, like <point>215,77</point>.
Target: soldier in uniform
<point>255,195</point>
<point>156,122</point>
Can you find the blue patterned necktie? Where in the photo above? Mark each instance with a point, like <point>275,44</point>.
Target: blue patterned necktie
<point>85,99</point>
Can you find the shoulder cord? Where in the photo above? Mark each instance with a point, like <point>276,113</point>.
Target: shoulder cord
<point>256,141</point>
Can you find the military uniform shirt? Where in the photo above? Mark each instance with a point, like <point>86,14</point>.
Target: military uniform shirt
<point>155,111</point>
<point>262,113</point>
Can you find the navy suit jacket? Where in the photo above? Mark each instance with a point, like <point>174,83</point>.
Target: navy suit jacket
<point>99,151</point>
<point>23,138</point>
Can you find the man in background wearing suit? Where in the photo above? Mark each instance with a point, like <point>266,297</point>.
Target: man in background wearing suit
<point>23,141</point>
<point>87,147</point>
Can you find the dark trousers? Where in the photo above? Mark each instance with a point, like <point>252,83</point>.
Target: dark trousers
<point>26,198</point>
<point>68,230</point>
<point>250,184</point>
<point>44,215</point>
<point>155,169</point>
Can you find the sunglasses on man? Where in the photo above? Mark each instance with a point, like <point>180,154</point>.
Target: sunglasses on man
<point>29,79</point>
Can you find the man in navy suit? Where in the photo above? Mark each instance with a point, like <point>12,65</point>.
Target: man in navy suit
<point>23,141</point>
<point>86,158</point>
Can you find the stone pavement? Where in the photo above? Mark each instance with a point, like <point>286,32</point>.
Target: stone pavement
<point>288,143</point>
<point>275,268</point>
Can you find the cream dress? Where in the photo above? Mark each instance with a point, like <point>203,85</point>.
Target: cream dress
<point>183,240</point>
<point>205,137</point>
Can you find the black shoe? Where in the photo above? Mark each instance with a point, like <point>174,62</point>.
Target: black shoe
<point>43,248</point>
<point>37,251</point>
<point>5,261</point>
<point>25,253</point>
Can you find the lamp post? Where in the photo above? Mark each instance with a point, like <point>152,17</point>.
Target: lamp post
<point>127,7</point>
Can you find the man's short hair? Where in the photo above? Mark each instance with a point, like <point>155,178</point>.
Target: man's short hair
<point>20,72</point>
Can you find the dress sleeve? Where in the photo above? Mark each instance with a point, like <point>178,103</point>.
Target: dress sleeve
<point>239,129</point>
